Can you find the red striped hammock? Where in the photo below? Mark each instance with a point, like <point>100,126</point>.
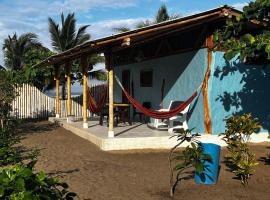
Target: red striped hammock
<point>97,106</point>
<point>158,114</point>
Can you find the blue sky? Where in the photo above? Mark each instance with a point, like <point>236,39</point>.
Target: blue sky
<point>22,16</point>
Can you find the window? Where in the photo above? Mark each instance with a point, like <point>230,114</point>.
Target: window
<point>146,78</point>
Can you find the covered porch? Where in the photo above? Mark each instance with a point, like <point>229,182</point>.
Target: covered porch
<point>188,34</point>
<point>136,136</point>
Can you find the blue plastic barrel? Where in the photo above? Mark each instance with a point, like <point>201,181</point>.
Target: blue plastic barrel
<point>211,168</point>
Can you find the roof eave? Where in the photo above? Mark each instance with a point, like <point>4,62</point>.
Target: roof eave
<point>99,45</point>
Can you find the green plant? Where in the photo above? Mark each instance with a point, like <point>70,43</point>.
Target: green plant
<point>162,15</point>
<point>8,153</point>
<point>64,36</point>
<point>191,157</point>
<point>237,135</point>
<point>21,183</point>
<point>7,95</point>
<point>11,152</point>
<point>252,45</point>
<point>15,47</point>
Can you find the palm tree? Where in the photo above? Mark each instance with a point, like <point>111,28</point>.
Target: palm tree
<point>161,16</point>
<point>15,48</point>
<point>65,37</point>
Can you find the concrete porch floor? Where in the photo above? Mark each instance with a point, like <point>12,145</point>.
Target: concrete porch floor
<point>136,136</point>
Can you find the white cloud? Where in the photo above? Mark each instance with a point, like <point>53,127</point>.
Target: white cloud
<point>85,5</point>
<point>31,16</point>
<point>105,28</point>
<point>239,6</point>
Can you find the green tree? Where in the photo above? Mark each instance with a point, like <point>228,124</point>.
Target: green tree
<point>15,49</point>
<point>64,37</point>
<point>23,52</point>
<point>39,77</point>
<point>251,44</point>
<point>240,158</point>
<point>162,15</point>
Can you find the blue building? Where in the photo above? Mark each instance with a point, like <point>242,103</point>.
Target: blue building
<point>170,60</point>
<point>178,62</point>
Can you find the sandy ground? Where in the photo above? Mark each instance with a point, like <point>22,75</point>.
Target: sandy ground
<point>98,175</point>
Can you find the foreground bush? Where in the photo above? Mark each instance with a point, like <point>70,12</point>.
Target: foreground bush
<point>21,183</point>
<point>191,157</point>
<point>17,180</point>
<point>8,153</point>
<point>7,95</point>
<point>240,158</point>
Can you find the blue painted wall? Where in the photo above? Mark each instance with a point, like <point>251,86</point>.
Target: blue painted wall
<point>183,73</point>
<point>236,88</point>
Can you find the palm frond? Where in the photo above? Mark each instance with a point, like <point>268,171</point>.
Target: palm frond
<point>55,35</point>
<point>15,49</point>
<point>68,31</point>
<point>82,36</point>
<point>65,37</point>
<point>27,41</point>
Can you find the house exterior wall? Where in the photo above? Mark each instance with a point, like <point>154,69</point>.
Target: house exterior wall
<point>183,73</point>
<point>236,88</point>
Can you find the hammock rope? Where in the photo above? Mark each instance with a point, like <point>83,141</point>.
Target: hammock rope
<point>159,114</point>
<point>97,106</point>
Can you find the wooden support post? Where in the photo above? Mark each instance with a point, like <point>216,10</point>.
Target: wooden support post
<point>207,115</point>
<point>111,114</point>
<point>57,84</point>
<point>108,60</point>
<point>70,118</point>
<point>84,66</point>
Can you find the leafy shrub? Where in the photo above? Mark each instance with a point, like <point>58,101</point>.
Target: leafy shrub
<point>237,135</point>
<point>7,95</point>
<point>21,183</point>
<point>191,157</point>
<point>8,153</point>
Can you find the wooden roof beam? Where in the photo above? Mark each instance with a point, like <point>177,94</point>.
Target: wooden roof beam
<point>99,44</point>
<point>179,30</point>
<point>126,42</point>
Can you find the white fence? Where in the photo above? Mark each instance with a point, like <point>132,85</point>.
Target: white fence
<point>32,103</point>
